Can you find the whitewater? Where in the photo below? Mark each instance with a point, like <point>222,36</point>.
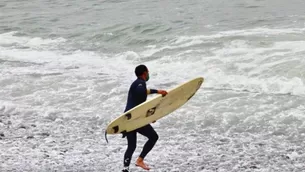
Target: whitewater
<point>66,68</point>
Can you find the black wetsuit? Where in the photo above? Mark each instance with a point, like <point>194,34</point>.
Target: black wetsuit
<point>138,94</point>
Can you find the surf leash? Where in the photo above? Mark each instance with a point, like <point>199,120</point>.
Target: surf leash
<point>106,136</point>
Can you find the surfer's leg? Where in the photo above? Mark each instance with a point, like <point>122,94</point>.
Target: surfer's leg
<point>152,136</point>
<point>132,144</point>
<point>149,132</point>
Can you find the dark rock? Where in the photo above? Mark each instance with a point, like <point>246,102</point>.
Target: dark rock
<point>22,126</point>
<point>30,137</point>
<point>201,168</point>
<point>253,167</point>
<point>64,150</point>
<point>261,144</point>
<point>45,134</point>
<point>285,156</point>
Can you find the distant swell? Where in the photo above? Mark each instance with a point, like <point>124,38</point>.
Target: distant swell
<point>11,39</point>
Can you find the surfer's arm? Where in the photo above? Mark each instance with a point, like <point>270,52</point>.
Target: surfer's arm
<point>154,91</point>
<point>151,91</point>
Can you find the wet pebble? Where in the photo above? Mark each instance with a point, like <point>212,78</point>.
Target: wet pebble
<point>22,126</point>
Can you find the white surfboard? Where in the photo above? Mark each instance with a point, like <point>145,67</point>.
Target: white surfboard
<point>155,108</point>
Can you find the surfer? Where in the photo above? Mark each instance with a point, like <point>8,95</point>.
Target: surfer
<point>137,94</point>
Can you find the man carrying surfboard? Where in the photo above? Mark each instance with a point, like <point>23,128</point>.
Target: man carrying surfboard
<point>137,94</point>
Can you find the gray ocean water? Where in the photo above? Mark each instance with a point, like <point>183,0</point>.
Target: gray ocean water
<point>66,67</point>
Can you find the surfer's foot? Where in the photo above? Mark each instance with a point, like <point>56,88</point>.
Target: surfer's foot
<point>140,163</point>
<point>125,169</point>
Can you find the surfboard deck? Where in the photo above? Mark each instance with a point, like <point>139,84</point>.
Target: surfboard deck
<point>155,108</point>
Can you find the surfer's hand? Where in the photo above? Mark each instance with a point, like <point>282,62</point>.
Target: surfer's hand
<point>163,92</point>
